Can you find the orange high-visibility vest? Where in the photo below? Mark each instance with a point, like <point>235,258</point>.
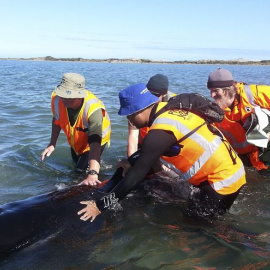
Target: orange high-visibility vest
<point>77,138</point>
<point>142,133</point>
<point>203,156</point>
<point>232,124</point>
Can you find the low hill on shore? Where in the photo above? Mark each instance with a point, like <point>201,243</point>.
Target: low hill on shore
<point>239,61</point>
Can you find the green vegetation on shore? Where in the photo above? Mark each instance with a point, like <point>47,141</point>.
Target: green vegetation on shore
<point>239,61</point>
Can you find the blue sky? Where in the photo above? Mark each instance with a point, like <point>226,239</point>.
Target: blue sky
<point>151,29</point>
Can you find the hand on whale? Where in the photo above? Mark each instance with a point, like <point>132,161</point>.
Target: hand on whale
<point>90,211</point>
<point>91,180</point>
<point>27,221</point>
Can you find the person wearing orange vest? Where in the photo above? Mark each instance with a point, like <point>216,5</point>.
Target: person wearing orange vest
<point>246,123</point>
<point>84,120</point>
<point>199,156</point>
<point>158,85</point>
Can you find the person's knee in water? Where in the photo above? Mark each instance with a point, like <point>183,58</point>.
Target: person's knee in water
<point>205,203</point>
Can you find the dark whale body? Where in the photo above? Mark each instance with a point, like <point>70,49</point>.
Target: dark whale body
<point>26,221</point>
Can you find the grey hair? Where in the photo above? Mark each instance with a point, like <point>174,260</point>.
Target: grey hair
<point>230,91</point>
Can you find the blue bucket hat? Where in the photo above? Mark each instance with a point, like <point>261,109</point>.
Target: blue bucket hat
<point>135,98</point>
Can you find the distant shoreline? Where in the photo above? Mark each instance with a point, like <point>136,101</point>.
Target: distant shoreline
<point>239,61</point>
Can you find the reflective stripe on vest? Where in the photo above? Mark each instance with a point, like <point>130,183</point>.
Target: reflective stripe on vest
<point>258,135</point>
<point>87,106</point>
<point>56,107</point>
<point>203,155</point>
<point>199,139</point>
<point>237,146</point>
<point>76,138</point>
<point>229,181</point>
<point>249,95</point>
<point>106,131</point>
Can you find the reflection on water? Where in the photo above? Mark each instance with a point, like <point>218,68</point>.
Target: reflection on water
<point>149,231</point>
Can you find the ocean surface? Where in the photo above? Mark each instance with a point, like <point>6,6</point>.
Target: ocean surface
<point>149,230</point>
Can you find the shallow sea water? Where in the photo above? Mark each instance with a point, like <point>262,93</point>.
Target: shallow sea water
<point>148,230</point>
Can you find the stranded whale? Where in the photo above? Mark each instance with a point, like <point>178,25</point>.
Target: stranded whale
<point>26,221</point>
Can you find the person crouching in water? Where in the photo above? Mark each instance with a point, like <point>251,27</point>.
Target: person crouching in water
<point>85,121</point>
<point>203,158</point>
<point>246,124</point>
<point>158,85</point>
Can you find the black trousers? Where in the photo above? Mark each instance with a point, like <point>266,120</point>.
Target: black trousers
<point>206,203</point>
<point>82,161</point>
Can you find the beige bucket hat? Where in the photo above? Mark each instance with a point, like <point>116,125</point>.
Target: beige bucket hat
<point>71,86</point>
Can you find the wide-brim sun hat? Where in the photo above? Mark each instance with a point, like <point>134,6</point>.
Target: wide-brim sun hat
<point>71,86</point>
<point>135,98</point>
<point>220,78</point>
